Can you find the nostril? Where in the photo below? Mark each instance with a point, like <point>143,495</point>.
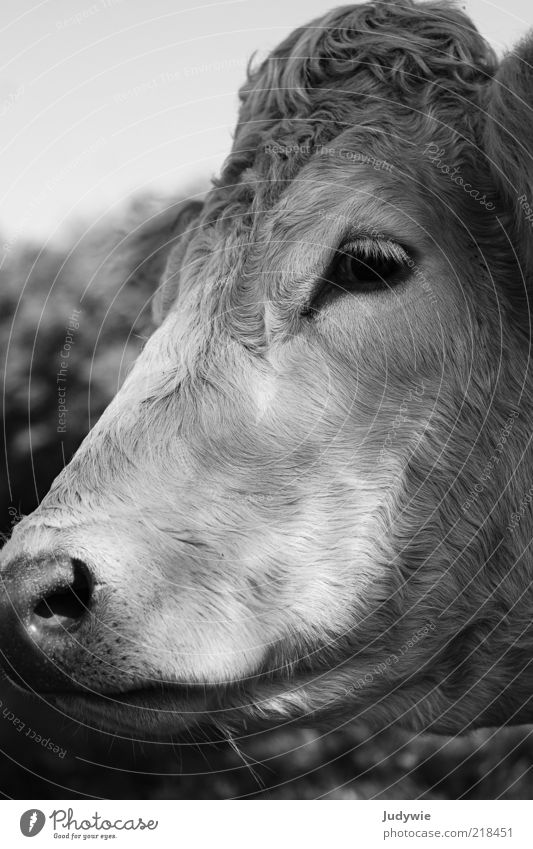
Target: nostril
<point>45,603</point>
<point>67,604</point>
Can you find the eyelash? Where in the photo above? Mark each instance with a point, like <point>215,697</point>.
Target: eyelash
<point>362,266</point>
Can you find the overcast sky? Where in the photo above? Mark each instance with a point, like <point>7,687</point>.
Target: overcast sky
<point>99,100</point>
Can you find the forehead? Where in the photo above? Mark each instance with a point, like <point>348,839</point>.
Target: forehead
<point>349,186</point>
<point>345,187</point>
<point>286,178</point>
<point>293,187</point>
<point>353,97</point>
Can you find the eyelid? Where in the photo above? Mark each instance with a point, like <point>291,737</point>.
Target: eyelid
<point>370,247</point>
<point>365,247</point>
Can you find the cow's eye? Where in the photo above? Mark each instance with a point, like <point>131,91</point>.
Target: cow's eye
<point>360,267</point>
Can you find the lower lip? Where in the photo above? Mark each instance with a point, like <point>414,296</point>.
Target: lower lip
<point>171,698</point>
<point>140,711</point>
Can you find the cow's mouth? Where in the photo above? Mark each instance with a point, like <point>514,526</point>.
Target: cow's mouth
<point>154,712</point>
<point>152,708</point>
<point>147,711</point>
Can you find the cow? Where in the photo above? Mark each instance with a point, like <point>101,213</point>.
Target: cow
<point>310,500</point>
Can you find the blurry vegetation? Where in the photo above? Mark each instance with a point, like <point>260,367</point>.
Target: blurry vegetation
<point>39,289</point>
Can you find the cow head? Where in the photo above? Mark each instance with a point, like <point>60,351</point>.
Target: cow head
<point>306,499</point>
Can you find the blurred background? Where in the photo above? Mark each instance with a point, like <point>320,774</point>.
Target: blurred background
<point>107,110</point>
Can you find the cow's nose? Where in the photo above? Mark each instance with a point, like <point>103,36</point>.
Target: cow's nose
<point>43,604</point>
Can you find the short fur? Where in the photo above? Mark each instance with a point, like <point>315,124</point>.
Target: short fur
<point>311,516</point>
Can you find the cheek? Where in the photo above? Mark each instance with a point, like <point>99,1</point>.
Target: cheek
<point>353,398</point>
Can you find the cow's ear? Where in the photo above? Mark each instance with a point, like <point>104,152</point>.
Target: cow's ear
<point>508,142</point>
<point>152,233</point>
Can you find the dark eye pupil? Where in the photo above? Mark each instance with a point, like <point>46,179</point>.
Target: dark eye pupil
<point>366,273</point>
<point>358,272</point>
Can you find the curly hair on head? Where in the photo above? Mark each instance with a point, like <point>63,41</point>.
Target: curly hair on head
<point>393,70</point>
